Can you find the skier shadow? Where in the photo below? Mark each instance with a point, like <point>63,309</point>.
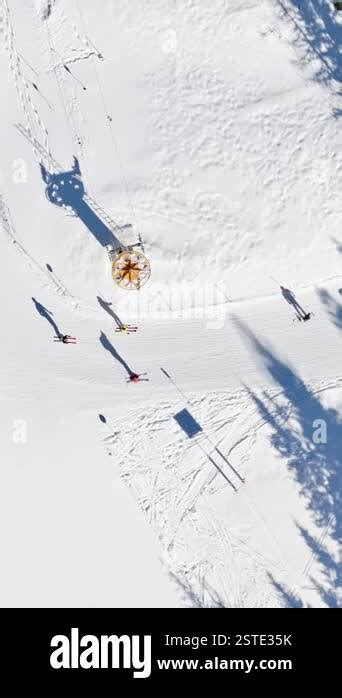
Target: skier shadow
<point>47,314</point>
<point>317,35</point>
<point>332,306</point>
<point>109,347</point>
<point>309,445</point>
<point>106,306</point>
<point>66,189</point>
<point>290,298</point>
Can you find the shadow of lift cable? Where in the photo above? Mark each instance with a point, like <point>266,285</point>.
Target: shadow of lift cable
<point>193,429</point>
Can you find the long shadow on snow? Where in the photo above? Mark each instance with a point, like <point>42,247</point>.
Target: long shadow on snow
<point>209,597</point>
<point>316,466</point>
<point>291,299</point>
<point>332,306</point>
<point>47,314</point>
<point>317,35</point>
<point>66,189</point>
<point>109,347</point>
<point>337,244</point>
<point>108,308</point>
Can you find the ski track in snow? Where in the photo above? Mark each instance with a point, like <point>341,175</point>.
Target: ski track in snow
<point>32,115</point>
<point>176,491</point>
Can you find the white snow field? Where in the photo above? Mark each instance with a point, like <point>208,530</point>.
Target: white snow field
<point>214,128</point>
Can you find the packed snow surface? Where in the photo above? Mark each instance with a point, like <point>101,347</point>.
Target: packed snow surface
<point>214,130</point>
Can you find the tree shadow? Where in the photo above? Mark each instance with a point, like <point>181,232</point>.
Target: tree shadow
<point>290,599</point>
<point>47,314</point>
<point>107,307</point>
<point>317,36</point>
<point>309,445</point>
<point>332,306</point>
<point>337,244</point>
<point>109,347</point>
<point>209,597</point>
<point>66,189</point>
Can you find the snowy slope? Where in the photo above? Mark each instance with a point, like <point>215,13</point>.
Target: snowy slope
<point>223,151</point>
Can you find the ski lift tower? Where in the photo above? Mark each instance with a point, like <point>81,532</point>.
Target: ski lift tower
<point>130,268</point>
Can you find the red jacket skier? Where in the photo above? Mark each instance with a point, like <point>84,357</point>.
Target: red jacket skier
<point>136,378</point>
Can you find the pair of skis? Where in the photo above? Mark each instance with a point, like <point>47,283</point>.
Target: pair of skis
<point>127,329</point>
<point>70,340</point>
<point>137,377</point>
<point>303,318</point>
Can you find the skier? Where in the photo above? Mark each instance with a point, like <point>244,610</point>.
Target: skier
<point>122,328</point>
<point>305,317</point>
<point>65,339</point>
<point>136,378</point>
<point>126,328</point>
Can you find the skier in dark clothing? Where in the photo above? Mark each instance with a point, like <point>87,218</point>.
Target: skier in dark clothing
<point>290,298</point>
<point>65,339</point>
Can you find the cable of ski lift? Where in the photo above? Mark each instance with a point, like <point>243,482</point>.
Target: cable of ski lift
<point>109,120</point>
<point>130,268</point>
